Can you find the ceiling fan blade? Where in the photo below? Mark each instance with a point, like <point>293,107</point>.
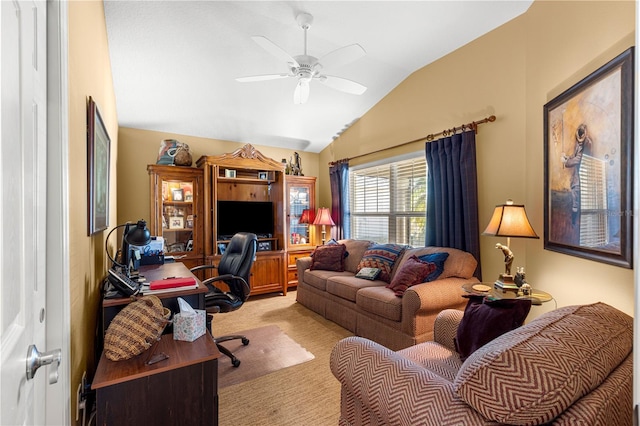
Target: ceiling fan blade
<point>342,56</point>
<point>275,50</point>
<point>301,94</point>
<point>261,77</point>
<point>342,84</point>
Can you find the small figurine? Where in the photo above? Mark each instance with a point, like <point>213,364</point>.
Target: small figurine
<point>508,258</point>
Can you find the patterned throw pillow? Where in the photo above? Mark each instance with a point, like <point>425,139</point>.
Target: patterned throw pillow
<point>328,258</point>
<point>438,259</point>
<point>413,271</point>
<point>383,257</point>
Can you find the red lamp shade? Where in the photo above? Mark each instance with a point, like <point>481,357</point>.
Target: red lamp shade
<point>323,217</point>
<point>307,216</point>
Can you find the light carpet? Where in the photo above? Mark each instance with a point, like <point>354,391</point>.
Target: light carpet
<point>269,350</point>
<point>304,394</point>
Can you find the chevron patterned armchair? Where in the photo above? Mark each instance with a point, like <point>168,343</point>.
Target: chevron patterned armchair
<point>571,366</point>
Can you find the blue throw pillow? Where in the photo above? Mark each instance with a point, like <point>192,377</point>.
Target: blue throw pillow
<point>437,258</point>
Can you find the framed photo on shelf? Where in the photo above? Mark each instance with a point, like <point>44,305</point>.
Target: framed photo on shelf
<point>177,194</point>
<point>222,247</point>
<point>263,175</point>
<point>176,222</point>
<point>588,167</point>
<point>230,173</point>
<point>189,223</point>
<point>187,190</point>
<point>98,154</point>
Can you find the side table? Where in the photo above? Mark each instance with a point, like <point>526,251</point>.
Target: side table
<point>538,297</point>
<point>180,390</point>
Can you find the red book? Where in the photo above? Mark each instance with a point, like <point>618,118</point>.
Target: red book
<point>172,283</point>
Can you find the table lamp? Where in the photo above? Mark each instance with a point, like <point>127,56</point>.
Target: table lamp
<point>307,217</point>
<point>509,220</point>
<point>323,218</point>
<point>132,236</point>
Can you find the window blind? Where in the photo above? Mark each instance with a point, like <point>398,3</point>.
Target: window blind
<point>388,201</point>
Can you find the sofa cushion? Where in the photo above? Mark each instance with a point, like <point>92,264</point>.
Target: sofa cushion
<point>413,271</point>
<point>532,374</point>
<point>346,286</point>
<point>318,278</point>
<point>329,258</point>
<point>382,256</point>
<point>356,249</point>
<point>437,259</point>
<point>380,301</point>
<point>485,319</point>
<point>458,264</point>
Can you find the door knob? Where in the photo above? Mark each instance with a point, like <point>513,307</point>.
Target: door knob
<point>36,359</point>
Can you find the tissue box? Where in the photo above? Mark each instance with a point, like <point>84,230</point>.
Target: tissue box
<point>189,327</point>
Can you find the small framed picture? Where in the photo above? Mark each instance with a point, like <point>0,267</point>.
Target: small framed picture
<point>189,223</point>
<point>221,247</point>
<point>230,173</point>
<point>262,175</point>
<point>177,194</point>
<point>176,222</point>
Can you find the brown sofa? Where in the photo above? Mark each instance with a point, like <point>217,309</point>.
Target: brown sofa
<point>369,309</point>
<point>571,366</point>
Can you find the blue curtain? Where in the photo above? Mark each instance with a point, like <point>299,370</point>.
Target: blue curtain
<point>452,194</point>
<point>340,213</point>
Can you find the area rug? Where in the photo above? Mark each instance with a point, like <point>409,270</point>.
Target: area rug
<point>269,350</point>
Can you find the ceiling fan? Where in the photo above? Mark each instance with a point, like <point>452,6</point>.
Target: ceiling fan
<point>307,68</point>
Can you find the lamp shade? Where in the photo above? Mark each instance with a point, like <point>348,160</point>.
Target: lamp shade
<point>307,216</point>
<point>139,235</point>
<point>510,220</point>
<point>323,217</point>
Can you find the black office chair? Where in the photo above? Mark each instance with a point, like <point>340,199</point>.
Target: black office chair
<point>234,270</point>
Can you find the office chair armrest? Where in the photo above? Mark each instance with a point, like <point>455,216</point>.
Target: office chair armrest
<point>202,267</point>
<point>227,277</point>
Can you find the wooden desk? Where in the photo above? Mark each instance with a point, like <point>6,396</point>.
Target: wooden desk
<point>180,390</point>
<point>195,297</point>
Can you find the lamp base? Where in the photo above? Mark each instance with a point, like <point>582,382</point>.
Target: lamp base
<point>506,281</point>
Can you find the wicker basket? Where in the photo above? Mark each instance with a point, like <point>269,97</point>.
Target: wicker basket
<point>135,328</point>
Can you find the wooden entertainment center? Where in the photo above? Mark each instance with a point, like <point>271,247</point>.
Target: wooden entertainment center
<point>239,178</point>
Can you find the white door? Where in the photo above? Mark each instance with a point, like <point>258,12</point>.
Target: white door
<point>23,152</point>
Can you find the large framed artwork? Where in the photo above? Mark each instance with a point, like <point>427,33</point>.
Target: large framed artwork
<point>588,160</point>
<point>98,153</point>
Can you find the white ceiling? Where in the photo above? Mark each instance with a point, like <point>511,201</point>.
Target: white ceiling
<point>174,63</point>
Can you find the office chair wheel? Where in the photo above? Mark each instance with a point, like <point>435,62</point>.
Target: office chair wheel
<point>245,341</point>
<point>235,362</point>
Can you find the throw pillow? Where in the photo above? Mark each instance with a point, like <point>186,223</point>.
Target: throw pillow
<point>328,258</point>
<point>438,259</point>
<point>413,271</point>
<point>485,319</point>
<point>383,257</point>
<point>368,273</point>
<point>333,242</point>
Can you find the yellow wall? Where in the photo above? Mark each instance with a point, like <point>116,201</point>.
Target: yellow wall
<point>510,72</point>
<point>140,147</point>
<point>89,75</point>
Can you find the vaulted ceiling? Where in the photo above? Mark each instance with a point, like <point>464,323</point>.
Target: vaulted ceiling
<point>174,63</point>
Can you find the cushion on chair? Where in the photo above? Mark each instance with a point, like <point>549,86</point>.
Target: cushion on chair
<point>382,256</point>
<point>484,320</point>
<point>532,374</point>
<point>413,271</point>
<point>329,258</point>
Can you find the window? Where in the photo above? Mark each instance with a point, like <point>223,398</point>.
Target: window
<point>388,201</point>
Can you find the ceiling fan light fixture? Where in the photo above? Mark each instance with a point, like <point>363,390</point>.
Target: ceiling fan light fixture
<point>306,67</point>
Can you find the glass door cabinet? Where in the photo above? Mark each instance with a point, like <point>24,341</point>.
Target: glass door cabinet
<point>176,205</point>
<point>301,209</point>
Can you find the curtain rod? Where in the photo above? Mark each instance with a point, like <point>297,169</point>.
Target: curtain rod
<point>429,138</point>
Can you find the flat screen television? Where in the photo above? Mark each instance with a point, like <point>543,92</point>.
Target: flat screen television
<point>245,216</point>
